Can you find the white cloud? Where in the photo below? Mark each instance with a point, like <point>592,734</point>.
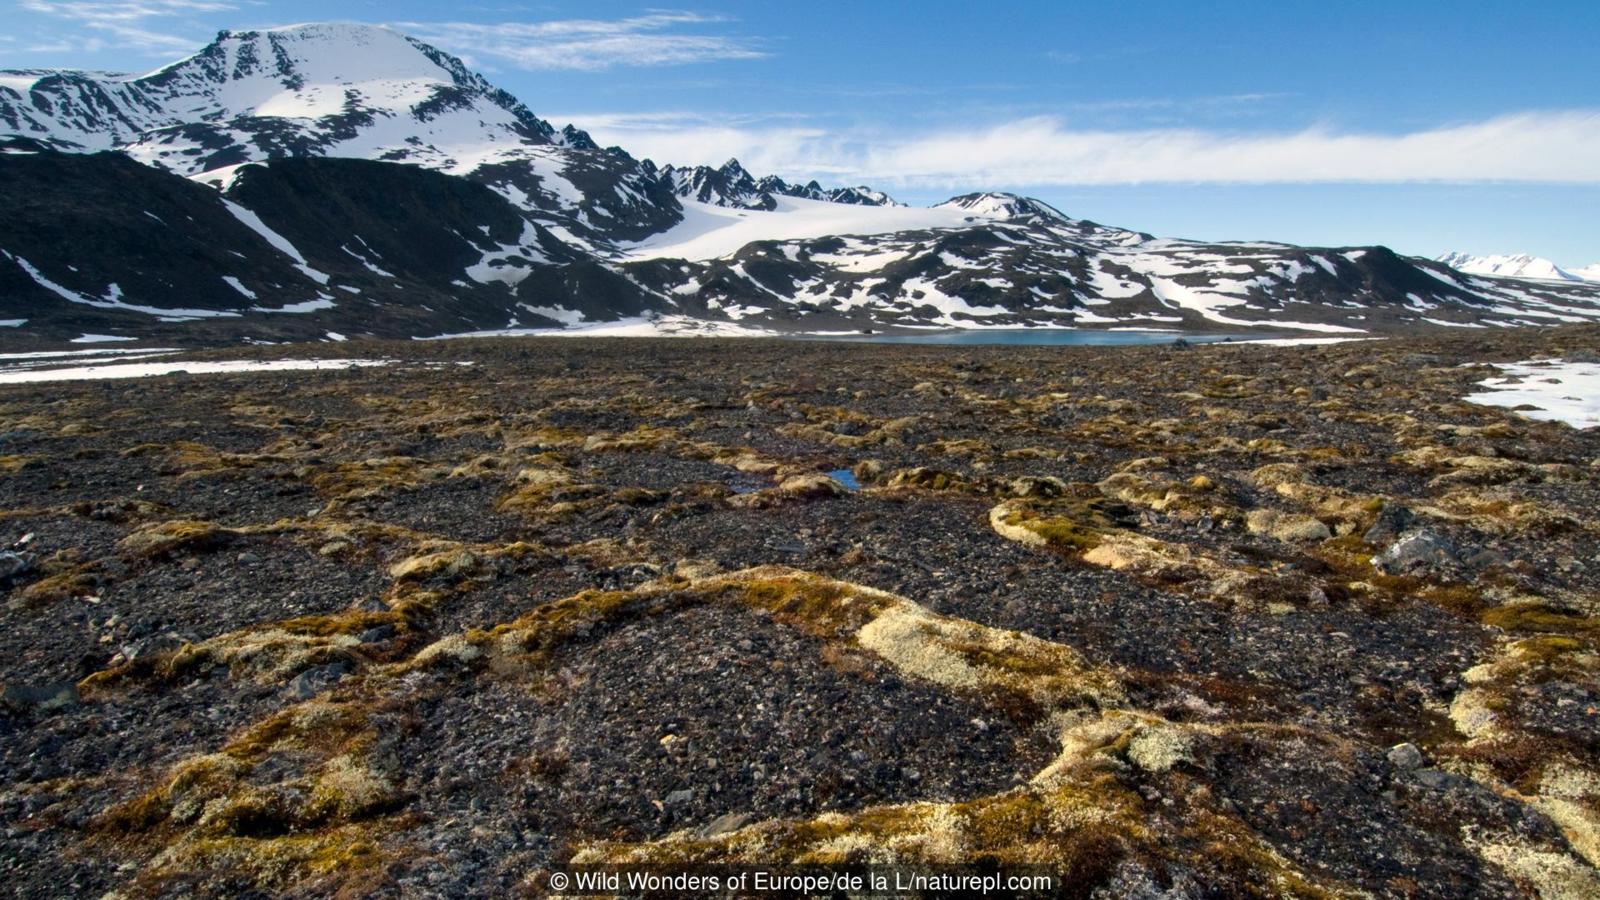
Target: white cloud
<point>123,10</point>
<point>588,44</point>
<point>1551,147</point>
<point>121,21</point>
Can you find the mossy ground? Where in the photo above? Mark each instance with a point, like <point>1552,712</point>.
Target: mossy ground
<point>263,598</point>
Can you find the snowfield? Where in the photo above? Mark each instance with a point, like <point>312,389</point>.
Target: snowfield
<point>1559,391</point>
<point>711,232</point>
<point>146,370</point>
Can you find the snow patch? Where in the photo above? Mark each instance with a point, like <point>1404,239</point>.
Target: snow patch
<point>281,243</point>
<point>1559,391</point>
<point>709,232</point>
<point>145,370</point>
<point>239,286</point>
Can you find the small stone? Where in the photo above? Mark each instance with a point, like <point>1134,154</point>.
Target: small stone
<point>679,798</point>
<point>42,697</point>
<point>723,824</point>
<point>1432,778</point>
<point>153,646</point>
<point>248,559</point>
<point>1393,520</point>
<point>1405,757</point>
<point>315,680</point>
<point>13,565</point>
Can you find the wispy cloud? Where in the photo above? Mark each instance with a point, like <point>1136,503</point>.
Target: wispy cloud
<point>122,23</point>
<point>1549,147</point>
<point>654,39</point>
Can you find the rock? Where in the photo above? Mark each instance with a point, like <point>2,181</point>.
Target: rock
<point>153,646</point>
<point>376,634</point>
<point>1043,487</point>
<point>868,470</point>
<point>1393,520</point>
<point>42,697</point>
<point>1416,551</point>
<point>451,563</point>
<point>13,565</point>
<point>1486,559</point>
<point>724,824</point>
<point>1432,778</point>
<point>813,484</point>
<point>680,798</point>
<point>317,679</point>
<point>1287,526</point>
<point>1405,757</point>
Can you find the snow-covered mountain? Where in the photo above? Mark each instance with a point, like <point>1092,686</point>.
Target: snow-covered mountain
<point>1516,265</point>
<point>732,186</point>
<point>340,90</point>
<point>288,183</point>
<point>327,90</point>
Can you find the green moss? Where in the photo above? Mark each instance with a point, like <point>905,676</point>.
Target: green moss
<point>16,463</point>
<point>167,537</point>
<point>1539,617</point>
<point>926,479</point>
<point>1070,524</point>
<point>59,587</point>
<point>817,605</point>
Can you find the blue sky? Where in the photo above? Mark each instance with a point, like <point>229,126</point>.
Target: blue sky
<point>1424,126</point>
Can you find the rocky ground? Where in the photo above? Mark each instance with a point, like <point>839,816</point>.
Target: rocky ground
<point>1208,621</point>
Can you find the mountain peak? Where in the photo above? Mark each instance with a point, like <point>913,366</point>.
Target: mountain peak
<point>1001,205</point>
<point>1513,265</point>
<point>345,86</point>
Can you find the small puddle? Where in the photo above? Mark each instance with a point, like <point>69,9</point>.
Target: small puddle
<point>846,478</point>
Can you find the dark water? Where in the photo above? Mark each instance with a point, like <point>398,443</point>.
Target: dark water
<point>1035,337</point>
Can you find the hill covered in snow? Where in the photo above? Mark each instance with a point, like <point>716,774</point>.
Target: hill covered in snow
<point>1518,265</point>
<point>290,183</point>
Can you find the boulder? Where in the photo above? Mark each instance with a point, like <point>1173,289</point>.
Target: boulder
<point>1418,551</point>
<point>1285,526</point>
